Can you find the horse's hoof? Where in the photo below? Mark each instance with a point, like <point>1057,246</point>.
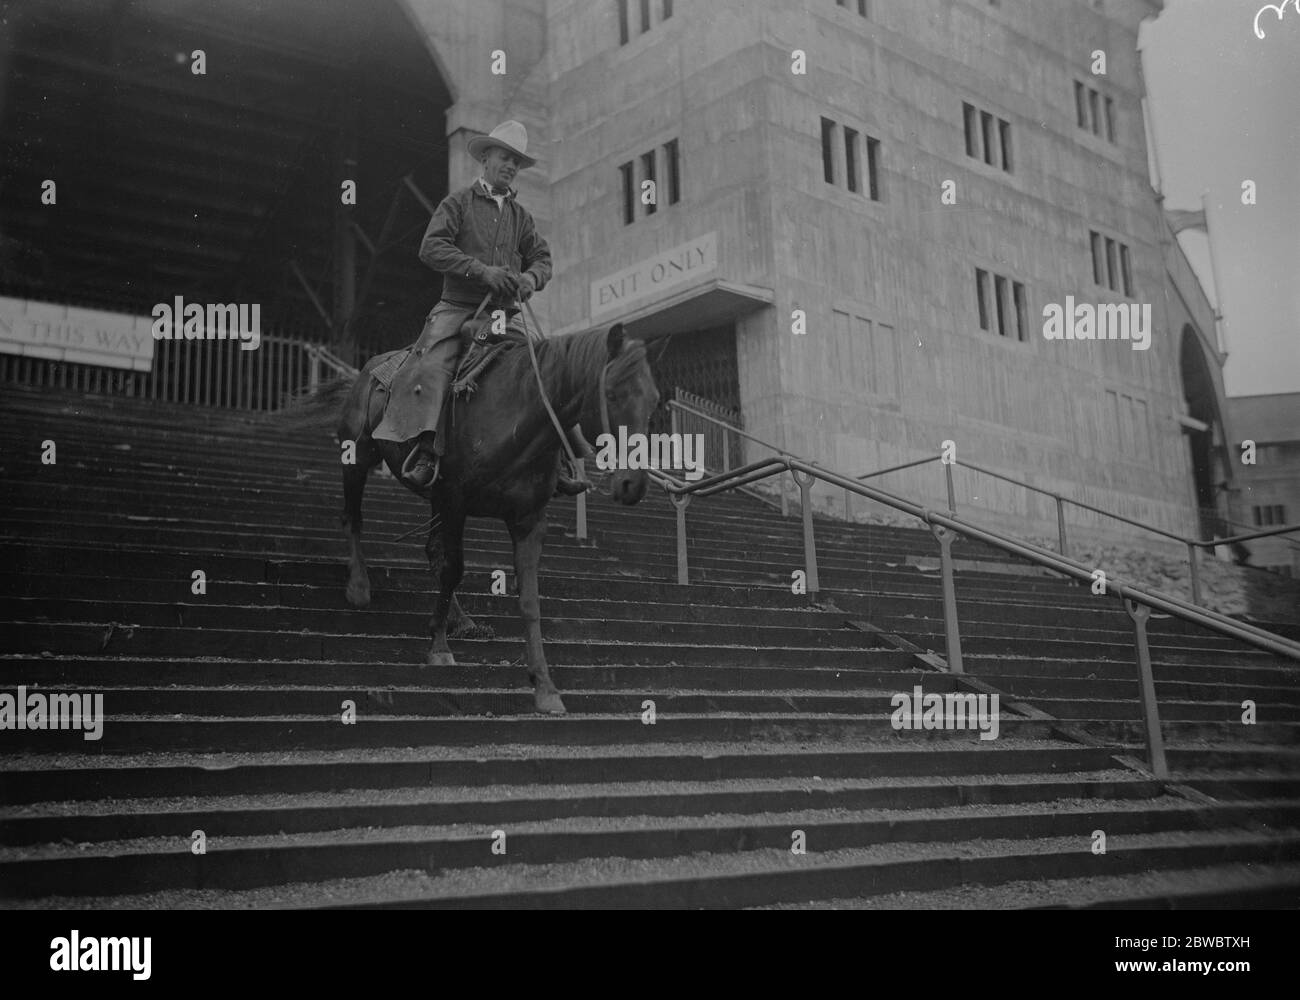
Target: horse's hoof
<point>550,703</point>
<point>473,630</point>
<point>440,660</point>
<point>359,595</point>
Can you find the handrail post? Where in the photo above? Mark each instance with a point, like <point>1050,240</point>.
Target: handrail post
<point>785,500</point>
<point>580,529</point>
<point>848,509</point>
<point>1060,521</point>
<point>952,633</point>
<point>804,482</point>
<point>726,451</point>
<point>1196,575</point>
<point>680,502</point>
<point>952,493</point>
<point>1147,686</point>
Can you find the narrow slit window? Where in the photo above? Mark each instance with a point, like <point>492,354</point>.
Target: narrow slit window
<point>1000,295</point>
<point>1126,269</point>
<point>1093,100</point>
<point>648,174</point>
<point>873,168</point>
<point>668,9</point>
<point>1081,104</point>
<point>968,114</point>
<point>851,160</point>
<point>624,33</point>
<point>1004,131</point>
<point>645,16</point>
<point>1098,260</point>
<point>982,295</point>
<point>1022,313</point>
<point>674,172</point>
<point>629,194</point>
<point>1111,265</point>
<point>828,150</point>
<point>1110,119</point>
<point>986,133</point>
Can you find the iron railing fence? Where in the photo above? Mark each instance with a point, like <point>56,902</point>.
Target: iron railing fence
<point>195,372</point>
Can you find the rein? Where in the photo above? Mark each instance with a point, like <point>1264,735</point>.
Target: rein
<point>604,400</point>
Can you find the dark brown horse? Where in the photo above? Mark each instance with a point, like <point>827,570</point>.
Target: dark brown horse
<point>500,461</point>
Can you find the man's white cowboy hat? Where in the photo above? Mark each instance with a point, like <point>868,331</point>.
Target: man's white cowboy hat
<point>510,136</point>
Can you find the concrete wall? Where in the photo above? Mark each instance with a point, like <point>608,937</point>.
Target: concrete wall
<point>1033,410</point>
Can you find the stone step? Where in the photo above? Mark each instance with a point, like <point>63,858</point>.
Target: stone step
<point>266,814</point>
<point>233,863</point>
<point>77,774</point>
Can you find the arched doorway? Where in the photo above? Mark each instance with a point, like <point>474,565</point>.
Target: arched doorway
<point>1208,443</point>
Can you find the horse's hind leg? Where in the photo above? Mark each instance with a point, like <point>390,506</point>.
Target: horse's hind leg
<point>364,456</point>
<point>354,485</point>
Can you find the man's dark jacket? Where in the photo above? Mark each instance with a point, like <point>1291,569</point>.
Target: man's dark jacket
<point>468,232</point>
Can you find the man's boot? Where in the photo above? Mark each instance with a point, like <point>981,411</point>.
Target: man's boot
<point>421,466</point>
<point>565,484</point>
<point>571,485</point>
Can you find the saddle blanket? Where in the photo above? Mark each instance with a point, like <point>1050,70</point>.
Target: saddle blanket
<point>384,371</point>
<point>473,363</point>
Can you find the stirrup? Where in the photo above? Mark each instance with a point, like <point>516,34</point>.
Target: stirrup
<point>408,467</point>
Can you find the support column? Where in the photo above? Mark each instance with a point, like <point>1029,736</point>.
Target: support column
<point>345,240</point>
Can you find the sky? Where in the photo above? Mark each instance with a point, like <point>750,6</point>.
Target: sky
<point>1226,108</point>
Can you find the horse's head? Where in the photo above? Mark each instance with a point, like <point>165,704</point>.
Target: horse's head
<point>630,397</point>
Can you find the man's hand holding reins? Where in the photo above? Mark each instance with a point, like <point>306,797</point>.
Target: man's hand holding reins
<point>504,283</point>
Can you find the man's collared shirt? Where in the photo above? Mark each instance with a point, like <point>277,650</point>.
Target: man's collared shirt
<point>500,199</point>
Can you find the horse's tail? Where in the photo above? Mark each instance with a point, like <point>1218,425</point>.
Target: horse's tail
<point>321,409</point>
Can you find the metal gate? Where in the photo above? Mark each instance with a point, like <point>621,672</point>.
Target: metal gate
<point>703,362</point>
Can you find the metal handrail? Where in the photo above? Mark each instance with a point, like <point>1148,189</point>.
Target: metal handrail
<point>1282,530</point>
<point>1192,544</point>
<point>1138,602</point>
<point>1292,542</point>
<point>1053,560</point>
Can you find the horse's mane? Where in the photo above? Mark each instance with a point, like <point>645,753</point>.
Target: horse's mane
<point>577,358</point>
<point>587,352</point>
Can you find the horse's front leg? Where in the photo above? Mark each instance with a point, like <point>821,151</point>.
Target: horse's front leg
<point>447,560</point>
<point>527,536</point>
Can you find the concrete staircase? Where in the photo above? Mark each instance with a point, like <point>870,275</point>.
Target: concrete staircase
<point>772,717</point>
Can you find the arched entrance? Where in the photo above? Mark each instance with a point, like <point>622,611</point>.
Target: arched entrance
<point>1207,443</point>
<point>225,185</point>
